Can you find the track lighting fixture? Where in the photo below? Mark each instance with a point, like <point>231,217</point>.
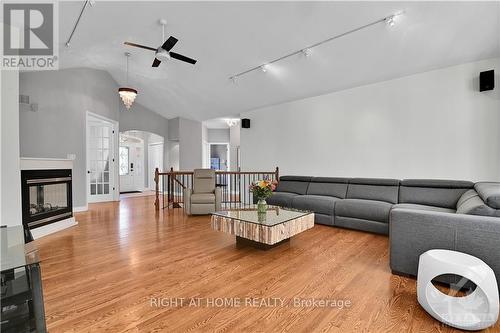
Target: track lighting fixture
<point>389,20</point>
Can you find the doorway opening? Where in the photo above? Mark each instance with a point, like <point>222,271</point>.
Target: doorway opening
<point>219,156</point>
<point>140,153</point>
<point>101,152</point>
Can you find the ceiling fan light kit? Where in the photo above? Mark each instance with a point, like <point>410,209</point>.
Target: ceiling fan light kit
<point>163,52</point>
<point>390,20</point>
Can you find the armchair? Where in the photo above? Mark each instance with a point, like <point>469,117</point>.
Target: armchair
<point>204,197</point>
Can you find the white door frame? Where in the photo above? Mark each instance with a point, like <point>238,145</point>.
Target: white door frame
<point>131,145</point>
<point>151,181</point>
<point>115,143</point>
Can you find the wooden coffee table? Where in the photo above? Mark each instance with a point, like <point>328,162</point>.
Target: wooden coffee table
<point>263,231</point>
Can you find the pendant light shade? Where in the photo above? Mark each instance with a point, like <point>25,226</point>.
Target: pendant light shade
<point>127,94</point>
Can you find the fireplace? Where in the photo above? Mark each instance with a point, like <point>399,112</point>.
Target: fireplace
<point>46,196</point>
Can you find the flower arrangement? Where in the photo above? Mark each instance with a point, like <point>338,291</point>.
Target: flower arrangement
<point>263,189</point>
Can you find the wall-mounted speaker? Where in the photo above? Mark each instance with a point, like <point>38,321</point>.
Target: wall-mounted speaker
<point>245,123</point>
<point>487,80</point>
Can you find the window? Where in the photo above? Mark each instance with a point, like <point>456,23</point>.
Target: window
<point>124,161</point>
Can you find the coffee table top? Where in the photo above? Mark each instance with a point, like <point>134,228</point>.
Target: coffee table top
<point>274,215</point>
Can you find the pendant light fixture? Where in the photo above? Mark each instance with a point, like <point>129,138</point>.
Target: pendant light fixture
<point>127,94</point>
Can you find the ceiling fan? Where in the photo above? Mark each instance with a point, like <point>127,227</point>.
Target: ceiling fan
<point>163,52</point>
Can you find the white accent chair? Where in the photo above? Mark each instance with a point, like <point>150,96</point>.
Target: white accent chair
<point>204,198</point>
<point>475,311</point>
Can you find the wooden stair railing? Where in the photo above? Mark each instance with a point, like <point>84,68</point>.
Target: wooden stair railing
<point>235,186</point>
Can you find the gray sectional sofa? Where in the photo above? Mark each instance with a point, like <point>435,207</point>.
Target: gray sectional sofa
<point>418,214</point>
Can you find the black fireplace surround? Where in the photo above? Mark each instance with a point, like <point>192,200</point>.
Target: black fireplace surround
<point>46,196</point>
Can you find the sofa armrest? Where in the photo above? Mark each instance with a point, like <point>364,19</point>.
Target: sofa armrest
<point>187,200</point>
<point>218,199</point>
<point>413,232</point>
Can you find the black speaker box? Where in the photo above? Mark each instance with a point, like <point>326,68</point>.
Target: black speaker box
<point>245,123</point>
<point>487,80</point>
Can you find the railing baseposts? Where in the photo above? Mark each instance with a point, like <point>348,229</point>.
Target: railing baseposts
<point>157,189</point>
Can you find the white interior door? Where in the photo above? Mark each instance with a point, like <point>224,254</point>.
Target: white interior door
<point>131,167</point>
<point>100,160</point>
<point>155,160</point>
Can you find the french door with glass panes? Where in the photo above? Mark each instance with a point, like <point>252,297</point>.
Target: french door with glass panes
<point>100,160</point>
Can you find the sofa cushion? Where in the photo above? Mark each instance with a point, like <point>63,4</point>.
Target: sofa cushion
<point>424,207</point>
<point>334,187</point>
<point>472,204</point>
<point>203,198</point>
<point>293,184</point>
<point>490,193</point>
<point>317,203</point>
<point>373,189</point>
<point>437,183</point>
<point>363,209</point>
<point>433,192</point>
<point>282,199</point>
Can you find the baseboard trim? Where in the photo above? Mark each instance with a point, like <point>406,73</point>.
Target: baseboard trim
<point>53,227</point>
<point>80,209</point>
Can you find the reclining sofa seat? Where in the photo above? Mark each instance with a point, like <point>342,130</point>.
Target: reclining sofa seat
<point>288,188</point>
<point>472,226</point>
<point>367,204</point>
<point>321,196</point>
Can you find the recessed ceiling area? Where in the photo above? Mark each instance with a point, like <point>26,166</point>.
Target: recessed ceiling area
<point>229,37</point>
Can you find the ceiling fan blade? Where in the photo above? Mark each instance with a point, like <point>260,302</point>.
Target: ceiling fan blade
<point>156,63</point>
<point>139,45</point>
<point>169,43</point>
<point>182,58</point>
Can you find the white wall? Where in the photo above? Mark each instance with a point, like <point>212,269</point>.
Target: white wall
<point>190,144</point>
<point>10,181</point>
<point>430,125</point>
<point>234,144</point>
<point>218,135</point>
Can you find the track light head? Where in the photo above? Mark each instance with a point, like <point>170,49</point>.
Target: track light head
<point>390,21</point>
<point>264,68</point>
<point>306,52</point>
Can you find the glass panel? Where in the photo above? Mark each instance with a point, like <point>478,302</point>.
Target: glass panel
<point>100,166</point>
<point>100,178</point>
<point>93,177</point>
<point>105,155</point>
<point>106,177</point>
<point>99,132</point>
<point>105,144</point>
<point>105,132</point>
<point>92,189</point>
<point>48,198</point>
<point>106,188</point>
<point>124,161</point>
<point>93,154</point>
<point>99,188</point>
<point>274,215</point>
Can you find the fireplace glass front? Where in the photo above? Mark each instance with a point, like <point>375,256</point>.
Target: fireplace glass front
<point>46,196</point>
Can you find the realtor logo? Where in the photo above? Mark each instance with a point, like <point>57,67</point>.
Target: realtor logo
<point>29,35</point>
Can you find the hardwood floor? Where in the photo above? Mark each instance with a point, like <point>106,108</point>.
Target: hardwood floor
<point>102,275</point>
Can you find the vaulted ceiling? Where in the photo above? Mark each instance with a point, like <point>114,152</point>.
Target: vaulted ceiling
<point>230,37</point>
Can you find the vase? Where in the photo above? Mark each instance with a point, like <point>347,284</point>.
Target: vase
<point>261,206</point>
